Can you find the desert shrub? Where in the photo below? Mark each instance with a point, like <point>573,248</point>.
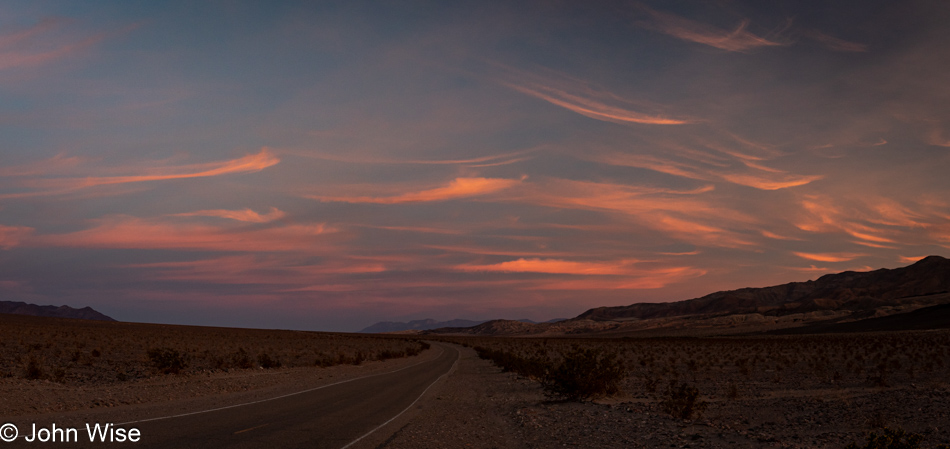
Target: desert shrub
<point>242,359</point>
<point>893,439</point>
<point>324,361</point>
<point>167,360</point>
<point>532,368</point>
<point>584,374</point>
<point>33,370</point>
<point>683,402</point>
<point>267,362</point>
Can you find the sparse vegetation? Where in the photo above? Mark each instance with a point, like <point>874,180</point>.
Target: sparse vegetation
<point>585,374</point>
<point>167,360</point>
<point>683,401</point>
<point>893,439</point>
<point>84,352</point>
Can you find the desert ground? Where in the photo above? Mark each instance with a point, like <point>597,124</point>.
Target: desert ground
<point>791,391</point>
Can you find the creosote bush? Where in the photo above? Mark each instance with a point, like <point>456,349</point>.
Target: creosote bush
<point>683,401</point>
<point>584,374</point>
<point>167,360</point>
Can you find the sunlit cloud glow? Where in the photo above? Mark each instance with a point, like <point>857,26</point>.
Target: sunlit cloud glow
<point>738,39</point>
<point>457,188</point>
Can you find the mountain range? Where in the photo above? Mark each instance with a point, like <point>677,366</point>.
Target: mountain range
<point>22,308</point>
<point>428,324</point>
<point>831,300</point>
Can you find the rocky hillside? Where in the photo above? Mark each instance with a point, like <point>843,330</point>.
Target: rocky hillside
<point>849,290</point>
<point>22,308</point>
<point>420,325</point>
<point>815,306</point>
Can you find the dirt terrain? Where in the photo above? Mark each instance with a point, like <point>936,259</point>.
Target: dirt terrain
<point>55,365</point>
<point>793,391</point>
<point>481,407</point>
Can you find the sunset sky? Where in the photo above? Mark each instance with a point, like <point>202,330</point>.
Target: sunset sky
<point>328,165</point>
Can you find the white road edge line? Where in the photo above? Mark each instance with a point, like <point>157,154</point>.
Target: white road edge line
<point>410,405</point>
<point>277,397</point>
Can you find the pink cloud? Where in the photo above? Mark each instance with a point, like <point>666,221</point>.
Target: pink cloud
<point>554,266</point>
<point>834,43</point>
<point>829,257</point>
<point>58,186</point>
<point>456,189</point>
<point>11,236</point>
<point>246,215</point>
<point>737,40</point>
<point>130,232</point>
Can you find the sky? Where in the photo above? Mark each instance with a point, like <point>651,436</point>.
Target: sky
<point>328,165</point>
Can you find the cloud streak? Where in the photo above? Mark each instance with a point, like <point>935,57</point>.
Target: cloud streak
<point>135,233</point>
<point>736,40</point>
<point>57,186</point>
<point>456,189</point>
<point>246,215</point>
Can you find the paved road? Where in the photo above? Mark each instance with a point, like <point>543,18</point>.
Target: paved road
<point>330,417</point>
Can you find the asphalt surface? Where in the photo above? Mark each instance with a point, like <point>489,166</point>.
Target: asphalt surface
<point>333,416</point>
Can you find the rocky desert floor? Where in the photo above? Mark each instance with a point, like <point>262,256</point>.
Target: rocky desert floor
<point>482,407</point>
<point>811,391</point>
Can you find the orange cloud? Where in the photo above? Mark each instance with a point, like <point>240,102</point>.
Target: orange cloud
<point>909,260</point>
<point>775,236</point>
<point>484,161</point>
<point>737,40</point>
<point>58,186</point>
<point>676,213</point>
<point>458,188</point>
<point>247,164</point>
<point>648,279</point>
<point>763,183</point>
<point>554,266</point>
<point>129,232</point>
<point>748,174</point>
<point>255,269</point>
<point>834,43</point>
<point>246,215</point>
<point>592,108</point>
<point>828,257</point>
<point>32,46</point>
<point>11,236</point>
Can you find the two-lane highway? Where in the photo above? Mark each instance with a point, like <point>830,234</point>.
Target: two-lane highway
<point>332,416</point>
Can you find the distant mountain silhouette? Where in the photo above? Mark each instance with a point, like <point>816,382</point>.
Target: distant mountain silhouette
<point>421,325</point>
<point>848,290</point>
<point>22,308</point>
<point>912,297</point>
<point>428,324</point>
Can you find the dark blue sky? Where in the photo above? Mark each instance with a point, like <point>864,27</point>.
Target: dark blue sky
<point>320,165</point>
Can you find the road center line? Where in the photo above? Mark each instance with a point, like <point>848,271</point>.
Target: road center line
<point>250,429</point>
<point>410,405</point>
<point>279,397</point>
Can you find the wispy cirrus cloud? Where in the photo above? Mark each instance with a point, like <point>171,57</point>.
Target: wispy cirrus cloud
<point>579,97</point>
<point>717,158</point>
<point>246,215</point>
<point>42,186</point>
<point>554,266</point>
<point>680,214</point>
<point>456,189</point>
<point>137,233</point>
<point>833,43</point>
<point>828,257</point>
<point>40,44</point>
<point>493,160</point>
<point>739,39</point>
<point>11,236</point>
